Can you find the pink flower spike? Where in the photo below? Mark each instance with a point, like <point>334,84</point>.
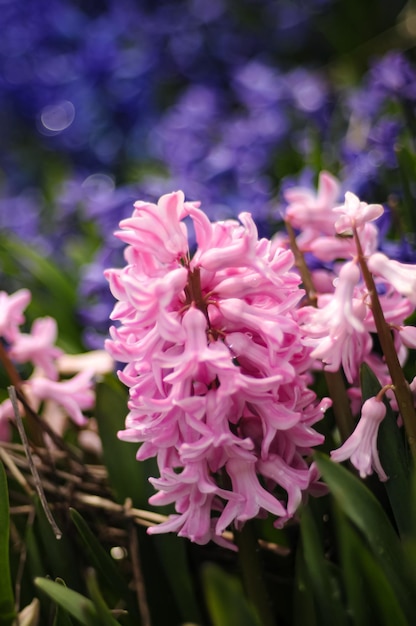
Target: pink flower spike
<point>401,276</point>
<point>361,446</point>
<point>355,213</point>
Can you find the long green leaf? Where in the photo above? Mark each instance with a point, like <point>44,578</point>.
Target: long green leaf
<point>394,456</point>
<point>58,555</point>
<point>101,560</point>
<point>127,477</point>
<point>326,592</point>
<point>370,597</point>
<point>71,601</point>
<point>366,513</point>
<point>7,610</point>
<point>225,599</point>
<point>348,544</point>
<point>104,616</point>
<point>304,609</point>
<point>61,616</point>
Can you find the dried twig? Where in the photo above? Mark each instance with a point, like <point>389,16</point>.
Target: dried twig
<point>15,472</point>
<point>38,485</point>
<point>139,585</point>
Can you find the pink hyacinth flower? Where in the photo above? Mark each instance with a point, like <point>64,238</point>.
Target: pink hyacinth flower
<point>354,213</point>
<point>400,275</point>
<point>38,346</point>
<point>338,330</point>
<point>11,312</point>
<point>216,365</point>
<point>73,395</point>
<point>313,210</point>
<point>361,446</point>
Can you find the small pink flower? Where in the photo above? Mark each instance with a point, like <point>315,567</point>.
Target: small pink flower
<point>38,346</point>
<point>309,210</point>
<point>11,312</point>
<point>361,446</point>
<point>337,329</point>
<point>354,213</point>
<point>408,336</point>
<point>401,276</point>
<point>72,395</point>
<point>158,228</point>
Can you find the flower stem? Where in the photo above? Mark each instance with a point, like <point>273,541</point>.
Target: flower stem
<point>401,387</point>
<point>35,433</point>
<point>334,380</point>
<point>252,572</point>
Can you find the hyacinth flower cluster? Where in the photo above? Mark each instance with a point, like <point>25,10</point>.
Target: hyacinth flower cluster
<point>36,352</point>
<point>360,293</point>
<point>217,367</point>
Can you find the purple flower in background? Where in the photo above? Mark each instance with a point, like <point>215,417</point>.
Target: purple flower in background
<point>394,75</point>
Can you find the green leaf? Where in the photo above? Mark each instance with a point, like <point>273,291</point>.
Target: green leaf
<point>225,599</point>
<point>366,513</point>
<point>127,477</point>
<point>370,597</point>
<point>394,456</point>
<point>59,556</point>
<point>304,610</point>
<point>348,544</point>
<point>102,561</point>
<point>71,601</point>
<point>7,610</point>
<point>386,606</point>
<point>61,616</point>
<point>326,592</point>
<point>104,616</point>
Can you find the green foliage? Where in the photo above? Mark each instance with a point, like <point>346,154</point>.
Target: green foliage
<point>225,599</point>
<point>378,549</point>
<point>7,610</point>
<point>104,564</point>
<point>85,611</point>
<point>319,575</point>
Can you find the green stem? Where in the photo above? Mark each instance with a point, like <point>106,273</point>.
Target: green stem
<point>401,388</point>
<point>252,572</point>
<point>340,403</point>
